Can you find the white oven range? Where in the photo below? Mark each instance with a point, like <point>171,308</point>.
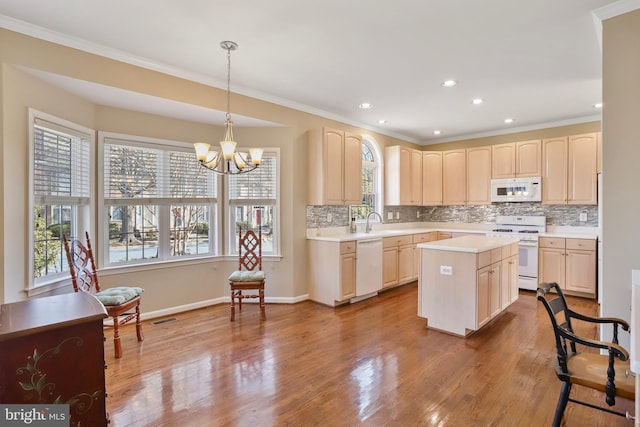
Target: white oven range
<point>527,230</point>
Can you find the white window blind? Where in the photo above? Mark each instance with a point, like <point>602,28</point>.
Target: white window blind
<point>156,174</point>
<point>61,164</point>
<point>258,186</point>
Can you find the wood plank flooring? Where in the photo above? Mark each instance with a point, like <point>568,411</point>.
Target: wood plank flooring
<point>372,363</point>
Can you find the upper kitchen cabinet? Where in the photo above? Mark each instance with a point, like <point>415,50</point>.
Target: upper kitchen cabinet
<point>479,175</point>
<point>454,177</point>
<point>569,170</point>
<point>335,167</point>
<point>431,178</point>
<point>517,159</point>
<point>403,176</point>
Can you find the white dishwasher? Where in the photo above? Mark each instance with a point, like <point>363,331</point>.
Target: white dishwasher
<point>368,268</point>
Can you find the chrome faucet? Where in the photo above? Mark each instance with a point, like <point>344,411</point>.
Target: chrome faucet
<point>368,227</point>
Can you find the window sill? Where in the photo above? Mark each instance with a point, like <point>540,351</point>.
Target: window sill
<point>49,287</point>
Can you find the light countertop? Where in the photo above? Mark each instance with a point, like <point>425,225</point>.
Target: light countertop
<point>474,244</point>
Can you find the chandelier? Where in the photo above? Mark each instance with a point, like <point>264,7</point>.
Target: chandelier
<point>221,161</point>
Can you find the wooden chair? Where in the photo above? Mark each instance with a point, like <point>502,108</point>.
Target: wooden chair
<point>249,276</point>
<point>608,373</point>
<point>119,302</point>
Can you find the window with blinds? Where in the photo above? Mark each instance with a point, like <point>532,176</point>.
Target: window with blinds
<point>159,203</point>
<point>60,191</point>
<point>253,203</point>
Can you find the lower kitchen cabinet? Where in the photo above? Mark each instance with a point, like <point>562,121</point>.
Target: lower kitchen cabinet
<point>332,271</point>
<point>397,260</point>
<point>420,238</point>
<point>52,351</point>
<point>571,263</point>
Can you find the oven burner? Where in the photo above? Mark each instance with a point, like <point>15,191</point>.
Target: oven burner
<point>503,230</point>
<point>528,231</point>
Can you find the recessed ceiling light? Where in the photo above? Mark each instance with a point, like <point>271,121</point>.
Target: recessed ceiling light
<point>365,106</point>
<point>508,120</point>
<point>382,121</point>
<point>449,83</point>
<point>598,105</point>
<point>478,101</point>
<point>436,132</point>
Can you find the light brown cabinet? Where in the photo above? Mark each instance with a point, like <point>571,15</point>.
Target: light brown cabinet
<point>335,167</point>
<point>403,176</point>
<point>569,170</point>
<point>332,271</point>
<point>397,260</point>
<point>454,177</point>
<point>571,263</point>
<point>432,178</point>
<point>348,269</point>
<point>517,159</point>
<point>478,164</point>
<point>420,238</point>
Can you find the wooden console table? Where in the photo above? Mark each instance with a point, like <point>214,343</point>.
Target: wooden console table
<point>52,351</point>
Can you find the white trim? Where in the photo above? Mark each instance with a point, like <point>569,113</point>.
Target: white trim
<point>609,11</point>
<point>379,160</point>
<point>210,302</point>
<point>55,281</point>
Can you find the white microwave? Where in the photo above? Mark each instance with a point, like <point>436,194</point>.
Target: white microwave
<point>516,189</point>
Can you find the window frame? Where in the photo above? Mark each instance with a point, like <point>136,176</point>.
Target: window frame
<point>164,222</point>
<point>229,208</point>
<point>81,216</point>
<point>372,145</point>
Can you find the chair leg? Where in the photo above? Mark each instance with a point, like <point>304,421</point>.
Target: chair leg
<point>139,324</point>
<point>117,346</point>
<point>262,308</point>
<point>562,403</point>
<point>240,300</point>
<point>233,305</point>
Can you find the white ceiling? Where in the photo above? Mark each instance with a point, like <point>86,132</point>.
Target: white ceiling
<point>537,61</point>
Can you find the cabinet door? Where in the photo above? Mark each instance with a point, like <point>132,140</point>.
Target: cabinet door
<point>348,275</point>
<point>405,263</point>
<point>554,170</point>
<point>454,177</point>
<point>482,296</point>
<point>352,169</point>
<point>416,177</point>
<point>431,178</point>
<point>494,290</point>
<point>397,175</point>
<point>581,271</point>
<point>583,164</point>
<point>513,278</point>
<point>333,157</point>
<point>529,158</point>
<point>390,266</point>
<point>503,160</point>
<point>505,283</point>
<point>479,175</point>
<point>551,266</point>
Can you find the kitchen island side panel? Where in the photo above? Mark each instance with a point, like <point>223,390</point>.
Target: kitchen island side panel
<point>448,302</point>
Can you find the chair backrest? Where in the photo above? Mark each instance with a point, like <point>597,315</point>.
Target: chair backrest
<point>250,250</point>
<point>560,315</point>
<point>82,266</point>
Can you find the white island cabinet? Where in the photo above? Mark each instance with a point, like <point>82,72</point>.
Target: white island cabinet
<point>460,284</point>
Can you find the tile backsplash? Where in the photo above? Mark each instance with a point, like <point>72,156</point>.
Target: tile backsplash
<point>557,215</point>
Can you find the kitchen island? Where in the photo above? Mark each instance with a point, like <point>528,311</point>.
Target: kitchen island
<point>466,281</point>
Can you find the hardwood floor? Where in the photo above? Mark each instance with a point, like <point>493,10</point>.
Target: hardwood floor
<point>372,363</point>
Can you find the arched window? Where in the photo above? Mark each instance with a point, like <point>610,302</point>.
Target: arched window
<point>371,181</point>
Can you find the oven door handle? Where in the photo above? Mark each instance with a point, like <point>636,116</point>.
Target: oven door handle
<point>528,244</point>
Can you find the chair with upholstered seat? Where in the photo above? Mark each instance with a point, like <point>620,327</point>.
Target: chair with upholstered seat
<point>249,275</point>
<point>608,373</point>
<point>122,303</point>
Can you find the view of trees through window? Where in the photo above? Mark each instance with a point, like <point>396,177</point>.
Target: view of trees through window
<point>369,171</point>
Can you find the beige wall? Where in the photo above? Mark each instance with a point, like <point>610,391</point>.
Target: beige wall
<point>168,285</point>
<point>621,161</point>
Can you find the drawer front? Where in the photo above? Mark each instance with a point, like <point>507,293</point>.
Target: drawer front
<point>506,251</point>
<point>581,244</point>
<point>397,241</point>
<point>347,247</point>
<point>496,255</point>
<point>425,237</point>
<point>484,259</point>
<point>552,242</point>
